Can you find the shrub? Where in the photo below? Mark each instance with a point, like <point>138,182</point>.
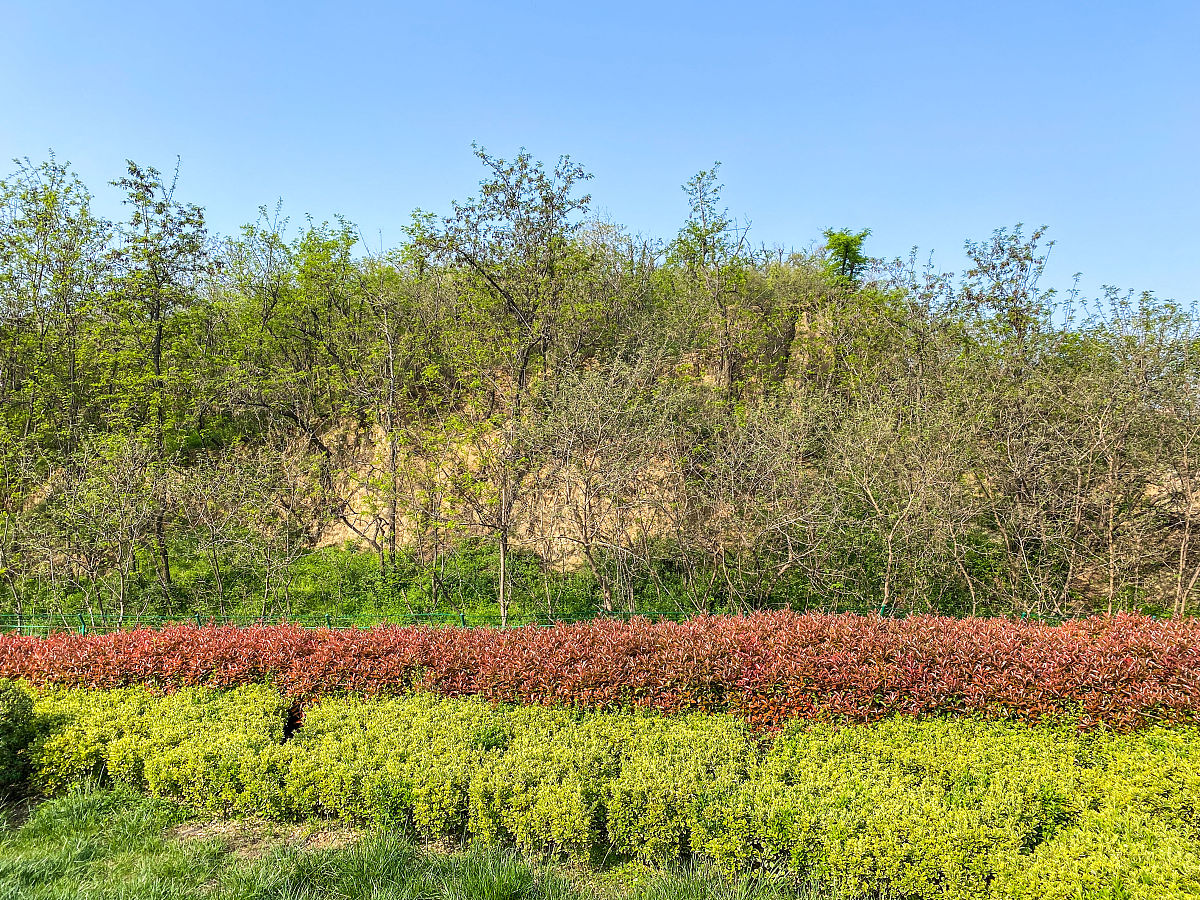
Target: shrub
<point>76,730</point>
<point>218,751</point>
<point>1113,854</point>
<point>542,788</point>
<point>675,773</point>
<point>927,808</point>
<point>1121,672</point>
<point>16,731</point>
<point>949,808</point>
<point>395,762</point>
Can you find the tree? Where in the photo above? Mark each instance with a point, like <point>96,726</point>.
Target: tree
<point>101,509</point>
<point>710,265</point>
<point>161,250</point>
<point>846,259</point>
<point>518,264</point>
<point>51,266</point>
<point>606,445</point>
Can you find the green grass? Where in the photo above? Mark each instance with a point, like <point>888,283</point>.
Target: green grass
<point>117,845</point>
<point>93,845</point>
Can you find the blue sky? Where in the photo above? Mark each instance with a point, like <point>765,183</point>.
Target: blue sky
<point>927,122</point>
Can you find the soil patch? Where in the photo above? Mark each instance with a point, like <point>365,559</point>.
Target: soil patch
<point>253,838</point>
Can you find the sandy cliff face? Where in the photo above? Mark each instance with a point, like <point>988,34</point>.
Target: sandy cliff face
<point>563,510</point>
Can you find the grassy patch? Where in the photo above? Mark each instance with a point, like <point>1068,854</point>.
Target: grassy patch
<point>100,844</point>
<point>104,844</point>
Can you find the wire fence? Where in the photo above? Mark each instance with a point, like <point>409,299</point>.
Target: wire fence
<point>96,623</point>
<point>84,623</point>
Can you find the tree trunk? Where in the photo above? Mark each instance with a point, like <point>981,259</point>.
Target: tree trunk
<point>160,544</point>
<point>502,594</point>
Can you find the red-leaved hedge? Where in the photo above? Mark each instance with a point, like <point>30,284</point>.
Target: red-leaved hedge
<point>1121,671</point>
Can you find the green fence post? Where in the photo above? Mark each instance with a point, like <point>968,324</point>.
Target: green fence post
<point>328,621</point>
<point>462,619</point>
<point>82,624</point>
<point>198,622</point>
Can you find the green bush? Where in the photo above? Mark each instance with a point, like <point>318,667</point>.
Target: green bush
<point>16,731</point>
<point>944,809</point>
<point>1158,775</point>
<point>218,751</point>
<point>1114,854</point>
<point>924,808</point>
<point>675,774</point>
<point>403,761</point>
<point>544,789</point>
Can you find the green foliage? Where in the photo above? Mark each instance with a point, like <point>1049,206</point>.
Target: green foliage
<point>970,809</point>
<point>1113,854</point>
<point>934,809</point>
<point>218,751</point>
<point>674,775</point>
<point>846,259</point>
<point>16,732</point>
<point>540,789</point>
<point>522,410</point>
<point>406,761</point>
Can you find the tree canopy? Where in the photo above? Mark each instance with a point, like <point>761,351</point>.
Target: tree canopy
<point>526,406</point>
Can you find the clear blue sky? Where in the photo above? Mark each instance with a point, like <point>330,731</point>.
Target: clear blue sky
<point>926,122</point>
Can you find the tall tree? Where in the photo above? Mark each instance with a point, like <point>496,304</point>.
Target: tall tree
<point>515,252</point>
<point>160,252</point>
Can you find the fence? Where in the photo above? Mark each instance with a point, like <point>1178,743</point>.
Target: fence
<point>84,623</point>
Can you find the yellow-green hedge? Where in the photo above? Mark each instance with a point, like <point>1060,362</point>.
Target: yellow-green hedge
<point>218,751</point>
<point>901,809</point>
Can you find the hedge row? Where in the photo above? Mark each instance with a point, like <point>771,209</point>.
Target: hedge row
<point>1123,671</point>
<point>16,731</point>
<point>903,808</point>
